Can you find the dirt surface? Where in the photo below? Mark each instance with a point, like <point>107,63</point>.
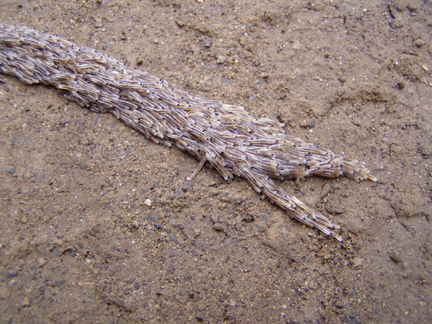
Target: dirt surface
<point>99,225</point>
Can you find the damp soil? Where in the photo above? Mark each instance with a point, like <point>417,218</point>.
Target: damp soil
<point>99,225</point>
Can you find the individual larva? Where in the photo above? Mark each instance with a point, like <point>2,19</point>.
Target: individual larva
<point>225,136</point>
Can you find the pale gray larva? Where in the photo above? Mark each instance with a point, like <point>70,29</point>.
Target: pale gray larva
<point>225,136</point>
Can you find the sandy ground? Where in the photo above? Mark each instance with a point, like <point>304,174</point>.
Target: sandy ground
<point>79,242</point>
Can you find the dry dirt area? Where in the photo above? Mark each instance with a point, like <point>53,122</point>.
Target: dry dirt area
<point>80,241</point>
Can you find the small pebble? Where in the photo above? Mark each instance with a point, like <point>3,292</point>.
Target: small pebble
<point>25,302</point>
<point>148,202</point>
<point>11,170</point>
<point>221,59</point>
<point>248,217</point>
<point>41,262</point>
<point>297,45</point>
<point>357,262</point>
<point>214,218</point>
<point>395,257</point>
<point>419,43</point>
<point>180,23</point>
<point>218,227</point>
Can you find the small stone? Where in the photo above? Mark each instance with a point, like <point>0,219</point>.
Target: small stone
<point>311,285</point>
<point>221,59</point>
<point>419,43</point>
<point>148,202</point>
<point>11,171</point>
<point>297,45</point>
<point>397,24</point>
<point>180,23</point>
<point>357,262</point>
<point>25,302</point>
<point>207,43</point>
<point>395,257</point>
<point>248,217</point>
<point>156,41</point>
<point>242,40</point>
<point>41,262</point>
<point>328,256</point>
<point>197,232</point>
<point>224,80</point>
<point>412,7</point>
<point>214,218</point>
<point>218,227</point>
<point>98,21</point>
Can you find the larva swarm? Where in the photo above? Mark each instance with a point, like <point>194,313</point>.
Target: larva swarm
<point>226,136</point>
